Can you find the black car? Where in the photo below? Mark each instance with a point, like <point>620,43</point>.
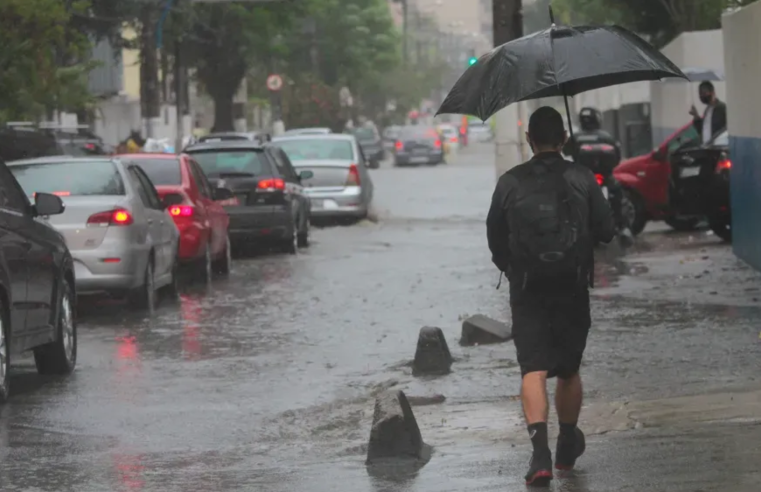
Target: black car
<point>80,143</point>
<point>233,136</point>
<point>27,142</point>
<point>37,296</point>
<point>269,198</point>
<point>418,144</point>
<point>700,184</point>
<point>372,145</point>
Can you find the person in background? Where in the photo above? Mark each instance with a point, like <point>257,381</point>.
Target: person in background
<point>545,217</point>
<point>714,117</point>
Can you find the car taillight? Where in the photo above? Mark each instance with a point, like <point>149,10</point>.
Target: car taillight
<point>724,164</point>
<point>353,179</point>
<point>453,139</point>
<point>273,184</point>
<point>181,211</point>
<point>586,148</point>
<point>118,217</point>
<point>437,143</point>
<point>399,145</point>
<point>600,179</point>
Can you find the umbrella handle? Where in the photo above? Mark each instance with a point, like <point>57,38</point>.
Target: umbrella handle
<point>552,16</point>
<point>568,115</point>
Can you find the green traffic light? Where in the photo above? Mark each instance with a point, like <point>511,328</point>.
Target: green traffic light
<point>472,60</point>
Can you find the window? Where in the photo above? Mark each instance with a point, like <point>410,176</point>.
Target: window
<point>233,161</point>
<point>11,196</point>
<point>284,166</point>
<point>721,140</point>
<point>203,184</point>
<point>162,172</point>
<point>70,178</point>
<point>302,149</point>
<point>365,134</point>
<point>687,137</point>
<point>145,189</point>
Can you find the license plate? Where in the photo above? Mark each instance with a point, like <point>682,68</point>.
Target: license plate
<point>420,151</point>
<point>688,172</point>
<point>419,159</point>
<point>329,205</point>
<point>605,192</point>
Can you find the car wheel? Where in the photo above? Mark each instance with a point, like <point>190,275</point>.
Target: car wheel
<point>721,227</point>
<point>222,266</point>
<point>291,241</point>
<point>638,219</point>
<point>144,297</point>
<point>60,356</point>
<point>5,353</point>
<point>680,224</point>
<point>303,238</point>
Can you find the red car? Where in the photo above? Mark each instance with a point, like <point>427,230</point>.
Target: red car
<point>646,179</point>
<point>200,218</point>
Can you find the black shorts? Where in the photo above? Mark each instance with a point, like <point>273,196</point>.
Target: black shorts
<point>550,330</point>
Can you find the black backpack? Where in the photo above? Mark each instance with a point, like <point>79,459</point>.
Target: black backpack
<point>547,235</point>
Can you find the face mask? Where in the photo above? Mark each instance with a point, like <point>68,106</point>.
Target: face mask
<point>705,98</point>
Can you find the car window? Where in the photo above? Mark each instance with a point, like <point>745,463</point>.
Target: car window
<point>162,172</point>
<point>70,178</point>
<point>721,140</point>
<point>414,132</point>
<point>11,195</point>
<point>232,161</point>
<point>200,179</point>
<point>284,165</point>
<point>365,134</point>
<point>145,189</point>
<point>687,137</point>
<point>317,149</point>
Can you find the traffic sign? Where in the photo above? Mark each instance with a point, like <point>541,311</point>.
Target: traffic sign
<point>274,82</point>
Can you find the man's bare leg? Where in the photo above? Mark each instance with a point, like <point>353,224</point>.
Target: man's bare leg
<point>534,397</point>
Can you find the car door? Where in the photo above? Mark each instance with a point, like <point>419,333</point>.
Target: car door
<point>169,232</point>
<point>15,246</point>
<point>212,211</point>
<point>292,189</point>
<point>155,217</point>
<point>291,177</point>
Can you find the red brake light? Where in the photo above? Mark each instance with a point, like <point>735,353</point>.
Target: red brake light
<point>586,147</point>
<point>181,211</point>
<point>271,184</point>
<point>600,179</point>
<point>724,164</point>
<point>399,145</point>
<point>453,139</point>
<point>353,179</point>
<point>118,217</point>
<point>90,146</point>
<point>607,147</point>
<point>437,143</point>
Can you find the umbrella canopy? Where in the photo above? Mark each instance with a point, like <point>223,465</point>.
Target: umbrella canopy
<point>695,74</point>
<point>559,61</point>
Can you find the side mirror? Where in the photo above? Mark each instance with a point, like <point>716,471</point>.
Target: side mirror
<point>306,175</point>
<point>47,204</point>
<point>172,199</point>
<point>221,194</point>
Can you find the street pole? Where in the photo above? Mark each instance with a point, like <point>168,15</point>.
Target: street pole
<point>507,23</point>
<point>179,94</point>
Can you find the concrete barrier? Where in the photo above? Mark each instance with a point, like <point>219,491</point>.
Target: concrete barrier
<point>394,433</point>
<point>432,356</point>
<point>482,330</point>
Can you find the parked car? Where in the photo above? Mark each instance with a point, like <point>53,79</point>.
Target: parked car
<point>119,232</point>
<point>26,142</point>
<point>334,171</point>
<point>308,131</point>
<point>269,200</point>
<point>371,143</point>
<point>37,293</point>
<point>199,215</point>
<point>418,144</point>
<point>646,179</point>
<point>700,184</point>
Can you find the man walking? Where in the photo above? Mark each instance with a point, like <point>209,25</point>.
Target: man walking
<point>714,118</point>
<point>546,216</point>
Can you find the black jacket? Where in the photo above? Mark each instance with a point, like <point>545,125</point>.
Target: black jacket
<point>596,213</point>
<point>718,120</point>
<point>591,137</point>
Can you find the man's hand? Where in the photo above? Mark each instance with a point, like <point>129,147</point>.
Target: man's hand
<point>694,112</point>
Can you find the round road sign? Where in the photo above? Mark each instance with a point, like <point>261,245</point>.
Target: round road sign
<point>274,82</point>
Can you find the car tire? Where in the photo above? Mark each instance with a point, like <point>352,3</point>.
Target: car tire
<point>721,227</point>
<point>682,225</point>
<point>223,265</point>
<point>5,352</point>
<point>303,237</point>
<point>291,241</point>
<point>639,221</point>
<point>60,356</point>
<point>144,297</point>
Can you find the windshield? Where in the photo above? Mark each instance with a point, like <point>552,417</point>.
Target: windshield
<point>161,171</point>
<point>419,132</point>
<point>70,178</point>
<point>317,149</point>
<point>365,134</point>
<point>244,161</point>
<point>721,140</point>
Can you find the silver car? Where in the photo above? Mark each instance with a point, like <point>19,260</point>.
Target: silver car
<point>340,185</point>
<point>120,234</point>
<point>308,131</point>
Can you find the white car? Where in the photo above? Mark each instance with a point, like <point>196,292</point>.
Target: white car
<point>480,132</point>
<point>451,136</point>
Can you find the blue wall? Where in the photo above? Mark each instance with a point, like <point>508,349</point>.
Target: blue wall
<point>745,182</point>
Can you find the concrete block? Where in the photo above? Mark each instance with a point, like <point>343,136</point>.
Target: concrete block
<point>395,433</point>
<point>482,330</point>
<point>432,356</point>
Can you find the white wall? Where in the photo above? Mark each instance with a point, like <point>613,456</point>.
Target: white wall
<point>671,100</point>
<point>612,98</point>
<point>120,115</point>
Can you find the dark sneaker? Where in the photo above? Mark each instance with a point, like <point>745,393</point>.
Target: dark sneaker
<point>539,470</point>
<point>569,449</point>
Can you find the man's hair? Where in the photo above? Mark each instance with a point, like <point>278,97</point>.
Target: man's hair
<point>545,127</point>
<point>706,86</point>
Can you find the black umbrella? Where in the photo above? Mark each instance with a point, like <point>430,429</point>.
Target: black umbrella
<point>559,61</point>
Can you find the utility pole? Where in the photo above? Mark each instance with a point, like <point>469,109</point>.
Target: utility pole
<point>507,23</point>
<point>405,29</point>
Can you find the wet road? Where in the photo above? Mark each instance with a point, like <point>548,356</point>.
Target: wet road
<point>266,381</point>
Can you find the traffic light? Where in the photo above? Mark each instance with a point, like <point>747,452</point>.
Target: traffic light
<point>472,60</point>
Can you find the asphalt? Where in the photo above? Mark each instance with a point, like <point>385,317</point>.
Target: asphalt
<point>266,380</point>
